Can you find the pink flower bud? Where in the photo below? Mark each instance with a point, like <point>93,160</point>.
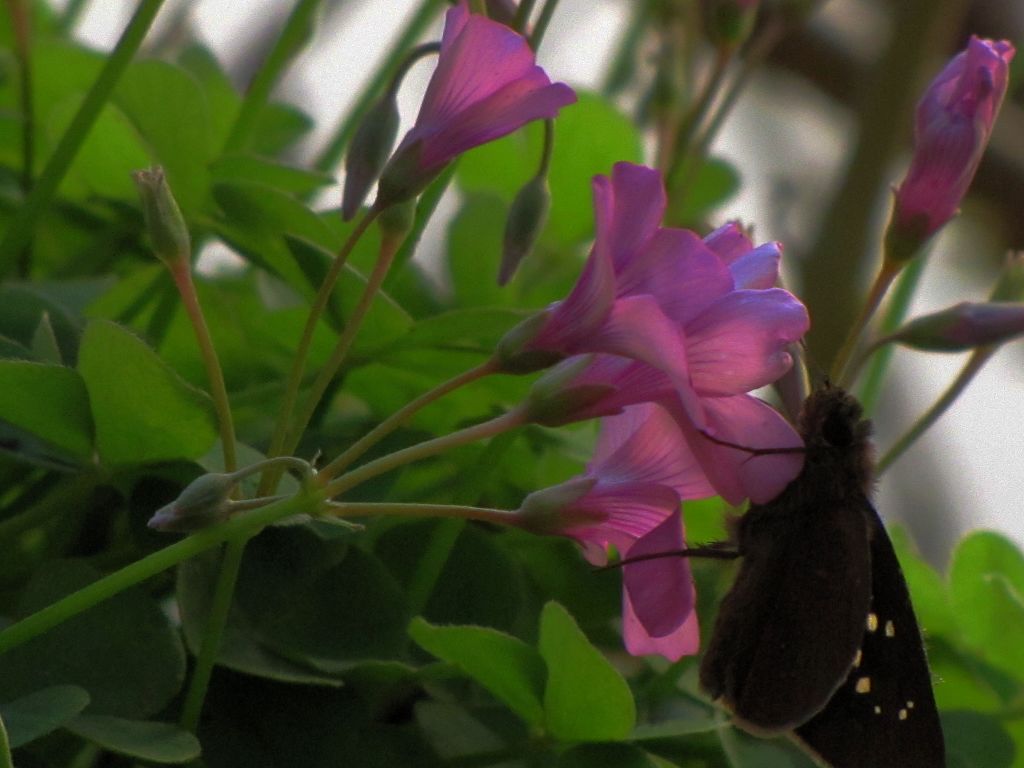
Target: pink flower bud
<point>951,130</point>
<point>203,502</point>
<point>963,326</point>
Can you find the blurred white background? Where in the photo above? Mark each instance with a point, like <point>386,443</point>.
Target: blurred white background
<point>971,462</point>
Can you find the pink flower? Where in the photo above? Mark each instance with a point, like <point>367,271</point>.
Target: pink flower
<point>693,324</point>
<point>629,498</point>
<point>486,85</point>
<point>951,130</point>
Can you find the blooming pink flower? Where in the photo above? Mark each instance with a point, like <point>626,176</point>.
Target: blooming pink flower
<point>694,324</point>
<point>951,130</point>
<point>486,85</point>
<point>629,498</point>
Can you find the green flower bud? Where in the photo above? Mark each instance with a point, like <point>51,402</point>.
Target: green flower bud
<point>167,230</point>
<point>545,511</point>
<point>526,219</point>
<point>202,503</point>
<point>556,399</point>
<point>368,152</point>
<point>513,352</point>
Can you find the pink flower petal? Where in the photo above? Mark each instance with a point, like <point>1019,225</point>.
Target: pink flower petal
<point>729,242</point>
<point>628,209</point>
<point>739,344</point>
<point>644,445</point>
<point>758,268</point>
<point>659,594</point>
<point>685,641</point>
<point>738,474</point>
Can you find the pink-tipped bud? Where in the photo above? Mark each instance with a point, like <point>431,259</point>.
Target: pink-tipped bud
<point>556,398</point>
<point>951,130</point>
<point>526,219</point>
<point>202,503</point>
<point>168,232</point>
<point>368,152</point>
<point>549,510</point>
<point>514,352</point>
<point>963,327</point>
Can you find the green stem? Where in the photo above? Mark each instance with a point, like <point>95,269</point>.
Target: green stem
<point>388,249</point>
<point>513,418</point>
<point>182,273</point>
<point>159,561</point>
<point>213,633</point>
<point>966,375</point>
<point>294,36</point>
<point>896,311</point>
<point>20,231</point>
<point>840,372</point>
<point>6,761</point>
<point>335,149</point>
<point>541,27</point>
<point>21,27</point>
<point>72,12</point>
<point>523,15</point>
<point>269,480</point>
<point>460,511</point>
<point>402,416</point>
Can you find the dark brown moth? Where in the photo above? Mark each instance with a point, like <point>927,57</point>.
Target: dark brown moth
<point>817,636</point>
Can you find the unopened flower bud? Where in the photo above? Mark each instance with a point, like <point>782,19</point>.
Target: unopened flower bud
<point>556,398</point>
<point>502,10</point>
<point>963,327</point>
<point>368,152</point>
<point>526,219</point>
<point>951,130</point>
<point>548,510</point>
<point>168,233</point>
<point>203,502</point>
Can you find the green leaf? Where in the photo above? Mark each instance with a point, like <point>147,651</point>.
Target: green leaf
<point>39,713</point>
<point>49,401</point>
<point>142,739</point>
<point>166,106</point>
<point>472,329</point>
<point>237,168</point>
<point>716,181</point>
<point>474,250</point>
<point>591,136</point>
<point>123,651</point>
<point>746,751</point>
<point>143,410</point>
<point>453,732</point>
<point>586,698</point>
<point>504,665</point>
<point>44,342</point>
<point>987,590</point>
<point>927,587</point>
<point>974,740</point>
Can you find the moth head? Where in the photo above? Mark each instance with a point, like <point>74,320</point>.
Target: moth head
<point>833,418</point>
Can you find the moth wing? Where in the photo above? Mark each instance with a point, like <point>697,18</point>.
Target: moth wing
<point>787,632</point>
<point>890,719</point>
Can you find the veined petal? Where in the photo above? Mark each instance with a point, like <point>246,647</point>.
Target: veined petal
<point>659,594</point>
<point>736,473</point>
<point>574,321</point>
<point>628,208</point>
<point>685,641</point>
<point>478,57</point>
<point>679,270</point>
<point>618,513</point>
<point>739,343</point>
<point>644,445</point>
<point>528,98</point>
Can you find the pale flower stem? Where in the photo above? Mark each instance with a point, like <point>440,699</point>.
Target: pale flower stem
<point>542,23</point>
<point>460,511</point>
<point>513,418</point>
<point>967,373</point>
<point>841,372</point>
<point>402,416</point>
<point>291,394</point>
<point>523,15</point>
<point>389,247</point>
<point>181,271</point>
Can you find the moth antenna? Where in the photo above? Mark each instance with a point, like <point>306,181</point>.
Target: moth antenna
<point>716,550</point>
